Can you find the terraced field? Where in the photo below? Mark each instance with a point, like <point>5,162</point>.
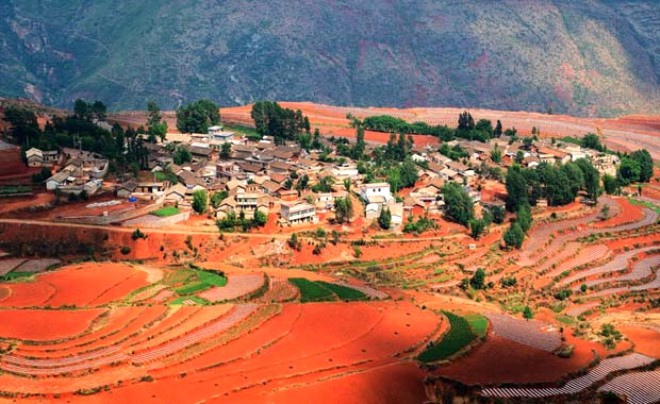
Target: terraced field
<point>118,349</point>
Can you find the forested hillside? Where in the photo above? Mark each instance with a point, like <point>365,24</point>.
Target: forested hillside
<point>578,57</point>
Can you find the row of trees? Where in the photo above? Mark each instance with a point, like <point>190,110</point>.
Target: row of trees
<point>515,234</point>
<point>558,184</point>
<point>197,117</point>
<point>270,118</point>
<point>467,127</point>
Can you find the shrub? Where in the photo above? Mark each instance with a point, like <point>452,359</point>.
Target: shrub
<point>125,250</point>
<point>137,234</point>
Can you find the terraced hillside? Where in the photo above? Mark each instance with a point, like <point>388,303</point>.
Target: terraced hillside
<point>586,58</point>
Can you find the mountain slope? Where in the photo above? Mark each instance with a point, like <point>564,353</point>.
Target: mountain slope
<point>585,57</point>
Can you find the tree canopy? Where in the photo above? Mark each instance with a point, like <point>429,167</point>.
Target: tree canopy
<point>196,117</point>
<point>458,204</point>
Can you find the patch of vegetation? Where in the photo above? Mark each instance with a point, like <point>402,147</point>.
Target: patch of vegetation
<point>192,288</point>
<point>196,299</point>
<point>166,211</point>
<point>137,234</point>
<point>478,323</point>
<point>211,278</point>
<point>459,336</point>
<point>12,276</point>
<point>645,204</point>
<point>344,292</point>
<point>311,291</point>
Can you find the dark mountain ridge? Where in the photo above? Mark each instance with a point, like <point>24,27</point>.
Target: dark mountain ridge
<point>585,58</point>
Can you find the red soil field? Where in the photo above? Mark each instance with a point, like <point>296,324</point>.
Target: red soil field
<point>499,360</point>
<point>94,283</point>
<point>629,242</point>
<point>395,383</point>
<point>646,340</point>
<point>624,133</point>
<point>627,214</point>
<point>45,325</point>
<point>298,348</point>
<point>118,318</point>
<point>27,294</point>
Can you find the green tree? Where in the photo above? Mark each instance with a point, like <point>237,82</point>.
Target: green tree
<point>225,151</point>
<point>343,209</point>
<point>385,219</point>
<point>514,236</point>
<point>629,171</point>
<point>524,218</point>
<point>24,127</point>
<point>499,213</point>
<point>181,156</point>
<point>260,218</point>
<point>610,185</point>
<point>591,141</point>
<point>197,116</point>
<point>496,155</point>
<point>98,110</point>
<point>516,188</point>
<point>358,149</point>
<point>477,227</point>
<point>497,132</point>
<point>217,198</point>
<point>82,110</point>
<point>527,313</point>
<point>478,280</point>
<point>458,204</point>
<point>156,127</point>
<point>200,201</point>
<point>591,179</point>
<point>645,161</point>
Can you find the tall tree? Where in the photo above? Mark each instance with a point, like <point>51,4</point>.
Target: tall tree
<point>497,132</point>
<point>516,188</point>
<point>200,201</point>
<point>458,204</point>
<point>24,126</point>
<point>197,116</point>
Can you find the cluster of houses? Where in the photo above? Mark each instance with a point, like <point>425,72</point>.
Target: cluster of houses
<point>258,175</point>
<point>79,171</point>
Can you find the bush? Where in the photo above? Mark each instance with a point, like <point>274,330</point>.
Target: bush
<point>125,250</point>
<point>137,234</point>
<point>563,294</point>
<point>508,282</point>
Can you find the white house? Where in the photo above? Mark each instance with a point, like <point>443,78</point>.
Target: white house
<point>375,196</point>
<point>218,134</point>
<point>292,214</point>
<point>58,180</point>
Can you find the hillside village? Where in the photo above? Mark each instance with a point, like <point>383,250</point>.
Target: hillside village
<point>262,176</point>
<point>431,250</point>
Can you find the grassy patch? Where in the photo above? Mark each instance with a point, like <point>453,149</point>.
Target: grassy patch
<point>192,288</point>
<point>459,336</point>
<point>196,299</point>
<point>199,280</point>
<point>478,323</point>
<point>166,211</point>
<point>566,319</point>
<point>311,291</point>
<point>13,276</point>
<point>211,278</point>
<point>343,292</point>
